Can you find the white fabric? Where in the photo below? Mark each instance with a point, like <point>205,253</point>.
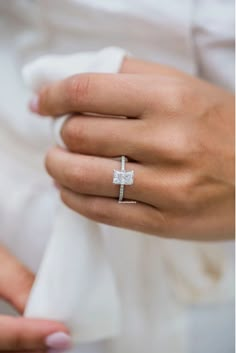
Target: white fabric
<point>57,127</point>
<point>155,279</point>
<point>75,282</point>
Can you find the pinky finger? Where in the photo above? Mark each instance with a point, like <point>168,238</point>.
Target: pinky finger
<point>135,216</point>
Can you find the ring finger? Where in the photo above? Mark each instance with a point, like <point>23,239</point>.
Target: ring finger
<point>94,176</point>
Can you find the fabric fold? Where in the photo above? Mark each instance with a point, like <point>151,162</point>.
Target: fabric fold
<point>75,283</point>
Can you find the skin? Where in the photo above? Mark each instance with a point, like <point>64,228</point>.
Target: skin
<point>178,137</point>
<point>17,333</point>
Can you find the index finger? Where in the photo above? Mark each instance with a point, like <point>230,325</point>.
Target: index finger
<point>109,94</point>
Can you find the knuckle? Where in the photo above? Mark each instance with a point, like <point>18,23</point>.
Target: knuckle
<point>76,178</point>
<point>180,96</point>
<point>74,134</point>
<point>78,89</point>
<point>185,193</point>
<point>173,143</point>
<point>72,177</point>
<point>182,144</point>
<point>186,145</point>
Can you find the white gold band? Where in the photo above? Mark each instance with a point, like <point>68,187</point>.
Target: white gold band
<point>122,191</point>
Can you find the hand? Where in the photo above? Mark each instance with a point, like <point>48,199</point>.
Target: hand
<point>178,136</point>
<point>18,333</point>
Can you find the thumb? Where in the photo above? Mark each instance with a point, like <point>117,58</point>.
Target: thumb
<point>15,280</point>
<point>23,335</point>
<point>18,333</point>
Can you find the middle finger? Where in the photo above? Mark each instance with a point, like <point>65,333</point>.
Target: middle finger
<point>104,136</point>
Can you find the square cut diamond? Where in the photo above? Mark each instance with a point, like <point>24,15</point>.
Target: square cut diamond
<point>123,177</point>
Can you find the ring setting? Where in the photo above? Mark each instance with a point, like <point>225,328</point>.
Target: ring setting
<point>123,177</point>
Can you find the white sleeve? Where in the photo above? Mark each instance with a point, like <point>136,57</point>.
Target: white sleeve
<point>214,39</point>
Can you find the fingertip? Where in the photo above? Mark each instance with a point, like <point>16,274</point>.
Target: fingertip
<point>18,333</point>
<point>58,341</point>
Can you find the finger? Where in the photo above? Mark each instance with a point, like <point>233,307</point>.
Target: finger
<point>92,175</point>
<point>112,94</point>
<point>27,334</point>
<point>137,216</point>
<point>44,350</point>
<point>15,280</point>
<point>135,66</point>
<point>104,137</point>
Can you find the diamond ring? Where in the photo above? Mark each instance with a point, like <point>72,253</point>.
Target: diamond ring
<point>123,177</point>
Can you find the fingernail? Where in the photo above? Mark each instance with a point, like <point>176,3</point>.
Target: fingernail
<point>34,104</point>
<point>58,341</point>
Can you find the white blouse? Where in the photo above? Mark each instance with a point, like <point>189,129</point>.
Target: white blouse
<point>196,36</point>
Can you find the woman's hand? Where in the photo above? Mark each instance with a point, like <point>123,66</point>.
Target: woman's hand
<point>178,136</point>
<point>18,333</point>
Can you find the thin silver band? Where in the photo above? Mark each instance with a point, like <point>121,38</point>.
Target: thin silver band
<point>122,186</point>
<point>121,193</point>
<point>123,160</point>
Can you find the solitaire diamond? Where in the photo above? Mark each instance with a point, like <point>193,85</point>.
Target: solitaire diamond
<point>121,177</point>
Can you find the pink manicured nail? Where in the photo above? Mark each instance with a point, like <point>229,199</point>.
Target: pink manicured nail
<point>58,341</point>
<point>34,104</point>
